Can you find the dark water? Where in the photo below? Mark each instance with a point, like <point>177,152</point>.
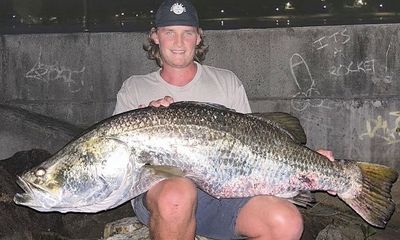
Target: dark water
<point>210,24</point>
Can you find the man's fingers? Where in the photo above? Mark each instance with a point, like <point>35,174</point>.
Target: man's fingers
<point>154,103</point>
<point>165,102</point>
<point>326,153</point>
<point>332,193</point>
<point>169,99</point>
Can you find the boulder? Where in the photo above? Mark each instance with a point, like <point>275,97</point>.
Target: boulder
<point>23,130</point>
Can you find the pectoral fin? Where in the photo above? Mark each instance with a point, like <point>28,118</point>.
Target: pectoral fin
<point>150,175</point>
<point>165,171</point>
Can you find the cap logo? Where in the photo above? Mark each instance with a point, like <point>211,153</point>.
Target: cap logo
<point>178,8</point>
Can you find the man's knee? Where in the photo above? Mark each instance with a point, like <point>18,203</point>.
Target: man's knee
<point>172,196</point>
<point>289,222</point>
<point>270,218</point>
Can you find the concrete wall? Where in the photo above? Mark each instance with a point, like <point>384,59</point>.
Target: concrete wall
<point>343,82</point>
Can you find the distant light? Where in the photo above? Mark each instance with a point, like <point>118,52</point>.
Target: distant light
<point>360,3</point>
<point>289,5</point>
<point>151,11</point>
<point>222,23</point>
<point>324,6</point>
<point>13,16</point>
<point>116,15</point>
<point>276,9</point>
<point>122,14</point>
<point>381,5</point>
<point>222,10</point>
<point>137,15</point>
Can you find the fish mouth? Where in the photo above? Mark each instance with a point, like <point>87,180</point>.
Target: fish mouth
<point>38,198</point>
<point>30,189</point>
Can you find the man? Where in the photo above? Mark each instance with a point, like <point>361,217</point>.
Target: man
<point>175,208</point>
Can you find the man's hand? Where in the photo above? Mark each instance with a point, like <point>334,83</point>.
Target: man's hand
<point>329,155</point>
<point>165,102</point>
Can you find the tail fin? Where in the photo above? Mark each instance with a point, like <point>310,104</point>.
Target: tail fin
<point>374,203</point>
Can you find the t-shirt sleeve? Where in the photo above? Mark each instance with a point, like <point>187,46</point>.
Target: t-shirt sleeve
<point>240,102</point>
<point>125,99</point>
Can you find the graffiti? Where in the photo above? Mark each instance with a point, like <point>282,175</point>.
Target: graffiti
<point>336,42</point>
<point>49,73</point>
<point>388,78</point>
<point>379,128</point>
<point>340,37</point>
<point>361,67</point>
<point>306,86</point>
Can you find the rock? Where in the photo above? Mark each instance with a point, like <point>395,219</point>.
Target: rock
<point>130,229</point>
<point>83,225</point>
<point>18,222</point>
<point>340,232</point>
<point>331,216</point>
<point>22,130</point>
<point>24,160</point>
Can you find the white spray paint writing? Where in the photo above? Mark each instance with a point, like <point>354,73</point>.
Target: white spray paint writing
<point>367,66</point>
<point>388,78</point>
<point>335,43</point>
<point>308,90</point>
<point>379,128</point>
<point>48,73</point>
<point>340,37</point>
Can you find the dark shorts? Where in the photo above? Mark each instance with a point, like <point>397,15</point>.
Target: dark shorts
<point>215,218</point>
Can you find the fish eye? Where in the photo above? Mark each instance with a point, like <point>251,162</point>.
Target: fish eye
<point>40,172</point>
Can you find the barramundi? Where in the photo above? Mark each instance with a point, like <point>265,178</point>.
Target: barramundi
<point>225,153</point>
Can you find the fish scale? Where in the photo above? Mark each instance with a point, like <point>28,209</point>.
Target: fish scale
<point>226,153</point>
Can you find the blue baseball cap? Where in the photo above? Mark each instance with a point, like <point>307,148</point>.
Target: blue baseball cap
<point>176,12</point>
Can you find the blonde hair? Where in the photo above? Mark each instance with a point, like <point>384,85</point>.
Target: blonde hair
<point>153,50</point>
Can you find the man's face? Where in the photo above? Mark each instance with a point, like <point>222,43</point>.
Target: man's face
<point>177,45</point>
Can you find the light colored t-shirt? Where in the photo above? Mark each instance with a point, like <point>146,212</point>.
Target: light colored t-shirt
<point>210,84</point>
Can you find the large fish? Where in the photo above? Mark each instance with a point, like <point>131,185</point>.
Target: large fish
<point>227,154</point>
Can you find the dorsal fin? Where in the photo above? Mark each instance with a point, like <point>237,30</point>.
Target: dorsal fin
<point>290,124</point>
<point>205,104</point>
